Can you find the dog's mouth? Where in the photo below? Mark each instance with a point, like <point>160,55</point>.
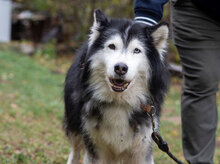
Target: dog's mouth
<point>119,85</point>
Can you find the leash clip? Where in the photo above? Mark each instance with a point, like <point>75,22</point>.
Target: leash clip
<point>151,111</point>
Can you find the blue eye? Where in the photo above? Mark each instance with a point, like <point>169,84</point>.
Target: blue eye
<point>137,51</point>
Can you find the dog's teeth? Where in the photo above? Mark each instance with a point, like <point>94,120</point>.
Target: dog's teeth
<point>125,85</point>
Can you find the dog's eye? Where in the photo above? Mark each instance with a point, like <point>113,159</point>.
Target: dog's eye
<point>111,46</point>
<point>137,51</point>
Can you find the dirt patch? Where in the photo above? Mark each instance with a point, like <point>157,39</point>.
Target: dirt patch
<point>218,143</point>
<point>2,81</point>
<point>176,119</point>
<point>168,110</point>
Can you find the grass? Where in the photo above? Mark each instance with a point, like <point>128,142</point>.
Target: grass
<point>31,110</point>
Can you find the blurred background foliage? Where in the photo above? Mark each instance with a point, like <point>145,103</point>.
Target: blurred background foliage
<point>76,16</point>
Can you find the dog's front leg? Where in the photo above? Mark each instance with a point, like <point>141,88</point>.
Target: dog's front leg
<point>139,160</point>
<point>73,158</point>
<point>77,146</point>
<point>150,160</point>
<point>87,159</point>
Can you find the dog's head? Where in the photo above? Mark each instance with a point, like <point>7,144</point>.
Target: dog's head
<point>125,59</point>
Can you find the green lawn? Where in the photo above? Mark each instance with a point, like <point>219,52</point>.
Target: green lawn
<point>31,110</point>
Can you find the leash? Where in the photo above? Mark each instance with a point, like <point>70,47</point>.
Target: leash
<point>162,145</point>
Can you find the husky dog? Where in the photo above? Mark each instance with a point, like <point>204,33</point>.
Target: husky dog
<point>121,67</point>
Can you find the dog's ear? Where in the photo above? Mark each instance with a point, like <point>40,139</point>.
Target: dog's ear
<point>100,21</point>
<point>159,35</point>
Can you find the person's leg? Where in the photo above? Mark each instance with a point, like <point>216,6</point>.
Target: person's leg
<point>197,38</point>
<point>199,111</point>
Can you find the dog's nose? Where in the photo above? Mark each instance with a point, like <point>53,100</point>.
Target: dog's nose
<point>121,68</point>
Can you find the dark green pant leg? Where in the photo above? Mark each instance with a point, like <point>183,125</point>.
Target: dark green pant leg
<point>198,103</point>
<point>198,42</point>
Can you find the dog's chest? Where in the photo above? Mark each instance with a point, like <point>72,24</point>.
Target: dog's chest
<point>113,130</point>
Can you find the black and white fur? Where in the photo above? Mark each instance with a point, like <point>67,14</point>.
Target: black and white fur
<point>106,121</point>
